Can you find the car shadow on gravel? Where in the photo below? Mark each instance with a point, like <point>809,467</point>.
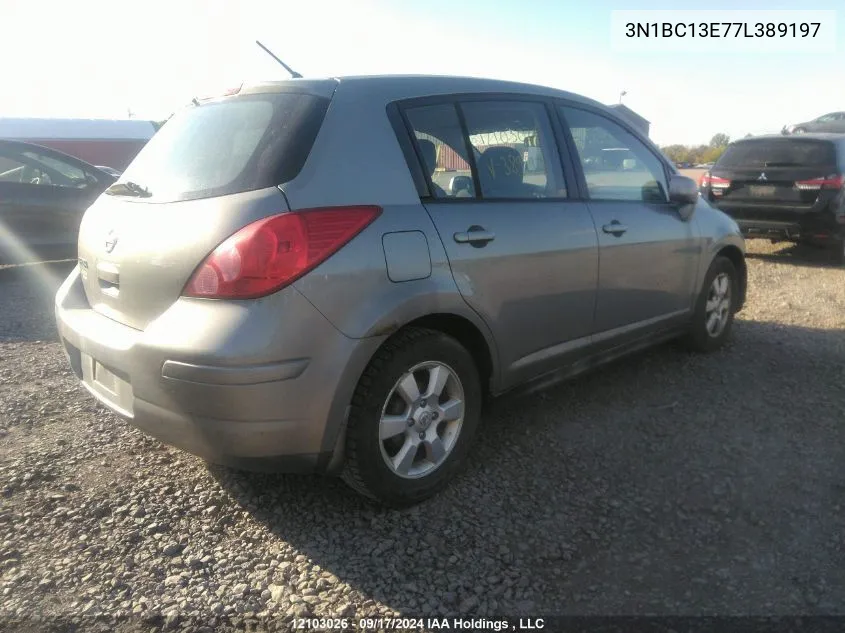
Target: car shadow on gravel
<point>666,483</point>
<point>28,292</point>
<point>803,255</point>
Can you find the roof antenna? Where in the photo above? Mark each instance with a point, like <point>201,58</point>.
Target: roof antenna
<point>292,72</point>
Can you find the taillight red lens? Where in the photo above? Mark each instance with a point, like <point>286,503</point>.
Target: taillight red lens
<point>834,181</point>
<point>715,182</point>
<point>269,254</point>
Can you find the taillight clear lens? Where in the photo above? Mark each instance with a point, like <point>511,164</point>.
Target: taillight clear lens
<point>833,181</point>
<point>269,254</point>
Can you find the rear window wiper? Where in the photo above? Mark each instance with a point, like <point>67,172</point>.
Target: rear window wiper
<point>780,164</point>
<point>129,188</point>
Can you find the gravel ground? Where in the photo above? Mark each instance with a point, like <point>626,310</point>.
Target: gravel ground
<point>666,483</point>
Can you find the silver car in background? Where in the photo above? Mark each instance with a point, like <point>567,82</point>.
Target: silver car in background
<point>331,275</point>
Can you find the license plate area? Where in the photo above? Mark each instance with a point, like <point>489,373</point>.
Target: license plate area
<point>111,386</point>
<point>106,378</point>
<point>761,191</point>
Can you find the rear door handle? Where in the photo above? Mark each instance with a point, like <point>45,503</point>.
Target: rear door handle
<point>615,228</point>
<point>475,235</point>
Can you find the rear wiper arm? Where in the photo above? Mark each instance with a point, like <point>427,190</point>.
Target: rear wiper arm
<point>777,164</point>
<point>129,188</point>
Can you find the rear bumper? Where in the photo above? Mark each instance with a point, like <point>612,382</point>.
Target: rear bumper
<point>756,228</point>
<point>791,226</point>
<point>261,385</point>
<point>790,231</point>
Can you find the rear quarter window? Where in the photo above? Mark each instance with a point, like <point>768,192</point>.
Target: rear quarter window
<point>232,145</point>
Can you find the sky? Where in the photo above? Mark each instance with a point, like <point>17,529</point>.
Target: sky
<point>96,58</point>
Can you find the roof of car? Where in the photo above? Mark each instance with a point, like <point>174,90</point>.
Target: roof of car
<point>410,86</point>
<point>819,136</point>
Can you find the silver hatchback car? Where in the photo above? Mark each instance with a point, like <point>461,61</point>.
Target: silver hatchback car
<point>331,275</point>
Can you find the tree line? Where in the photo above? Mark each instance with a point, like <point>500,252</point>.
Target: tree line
<point>700,153</point>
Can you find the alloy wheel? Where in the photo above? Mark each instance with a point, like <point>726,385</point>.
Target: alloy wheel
<point>717,310</point>
<point>421,419</point>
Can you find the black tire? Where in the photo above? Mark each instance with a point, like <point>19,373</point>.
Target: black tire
<point>365,467</point>
<point>839,252</point>
<point>699,339</point>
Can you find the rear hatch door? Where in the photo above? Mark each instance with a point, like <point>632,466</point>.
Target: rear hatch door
<point>211,170</point>
<point>771,179</point>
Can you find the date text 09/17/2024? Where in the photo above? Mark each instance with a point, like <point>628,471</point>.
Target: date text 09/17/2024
<point>415,624</point>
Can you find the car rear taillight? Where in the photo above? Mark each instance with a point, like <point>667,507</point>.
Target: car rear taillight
<point>834,181</point>
<point>267,255</point>
<point>717,184</point>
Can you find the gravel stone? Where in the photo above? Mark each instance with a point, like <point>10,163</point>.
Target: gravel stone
<point>277,592</point>
<point>240,589</point>
<point>173,581</point>
<point>172,549</point>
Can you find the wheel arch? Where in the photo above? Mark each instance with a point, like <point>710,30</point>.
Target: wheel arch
<point>737,258</point>
<point>469,330</point>
<point>470,336</point>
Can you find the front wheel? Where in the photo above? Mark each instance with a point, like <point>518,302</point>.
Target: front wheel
<point>714,311</point>
<point>413,417</point>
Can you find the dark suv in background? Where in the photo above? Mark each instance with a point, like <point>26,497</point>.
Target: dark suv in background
<point>783,188</point>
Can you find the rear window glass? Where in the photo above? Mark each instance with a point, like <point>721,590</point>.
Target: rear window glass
<point>228,146</point>
<point>779,152</point>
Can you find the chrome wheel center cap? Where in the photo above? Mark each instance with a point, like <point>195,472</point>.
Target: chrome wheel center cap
<point>426,418</point>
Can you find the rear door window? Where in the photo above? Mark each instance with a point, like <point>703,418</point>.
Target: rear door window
<point>227,146</point>
<point>511,142</point>
<point>505,146</point>
<point>778,153</point>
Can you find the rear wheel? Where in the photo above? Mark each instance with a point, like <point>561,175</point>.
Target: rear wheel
<point>413,417</point>
<point>839,252</point>
<point>715,308</point>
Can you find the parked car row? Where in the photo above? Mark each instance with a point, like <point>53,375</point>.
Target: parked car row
<point>783,188</point>
<point>688,165</point>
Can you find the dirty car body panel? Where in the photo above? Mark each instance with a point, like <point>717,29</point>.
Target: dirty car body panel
<point>266,382</point>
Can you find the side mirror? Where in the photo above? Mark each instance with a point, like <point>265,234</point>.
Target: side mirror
<point>683,192</point>
<point>461,185</point>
